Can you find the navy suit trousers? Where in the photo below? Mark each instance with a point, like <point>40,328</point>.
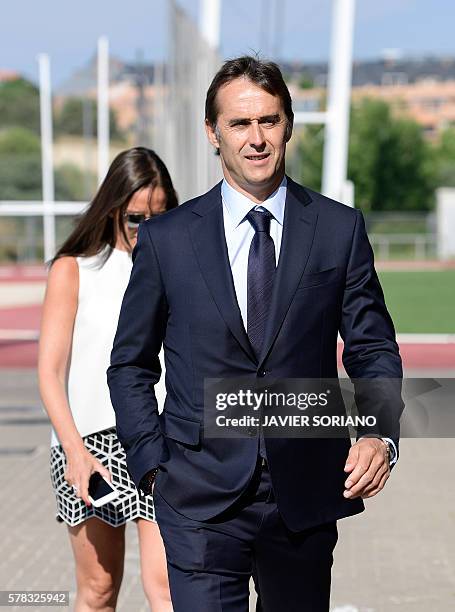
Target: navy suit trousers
<point>210,563</point>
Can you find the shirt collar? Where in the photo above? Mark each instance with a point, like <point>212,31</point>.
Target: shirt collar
<point>238,205</point>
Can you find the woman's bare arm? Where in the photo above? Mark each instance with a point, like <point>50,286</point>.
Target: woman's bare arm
<point>57,324</point>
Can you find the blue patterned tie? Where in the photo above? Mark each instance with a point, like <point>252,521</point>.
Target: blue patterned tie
<point>261,274</point>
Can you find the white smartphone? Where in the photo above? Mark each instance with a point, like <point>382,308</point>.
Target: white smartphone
<point>100,490</point>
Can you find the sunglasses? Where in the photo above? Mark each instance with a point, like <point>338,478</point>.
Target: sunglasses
<point>133,220</point>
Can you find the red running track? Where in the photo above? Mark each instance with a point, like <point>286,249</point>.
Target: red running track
<point>20,354</point>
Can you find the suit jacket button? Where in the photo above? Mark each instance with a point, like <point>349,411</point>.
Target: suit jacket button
<point>261,373</point>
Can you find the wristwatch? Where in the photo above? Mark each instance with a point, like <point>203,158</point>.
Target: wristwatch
<point>387,448</point>
<point>391,451</point>
<point>146,483</point>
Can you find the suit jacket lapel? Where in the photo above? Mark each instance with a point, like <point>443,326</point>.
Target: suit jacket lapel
<point>209,243</point>
<point>300,218</point>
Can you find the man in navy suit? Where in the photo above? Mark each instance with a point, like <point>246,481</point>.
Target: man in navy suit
<point>253,279</point>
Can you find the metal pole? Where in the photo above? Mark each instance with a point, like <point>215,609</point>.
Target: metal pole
<point>103,107</point>
<point>265,27</point>
<point>87,131</point>
<point>338,105</point>
<point>142,132</point>
<point>206,65</point>
<point>47,161</point>
<point>279,21</point>
<point>158,109</point>
<point>210,21</point>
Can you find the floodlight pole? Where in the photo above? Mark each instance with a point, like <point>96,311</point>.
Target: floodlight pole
<point>209,27</point>
<point>336,142</point>
<point>47,160</point>
<point>210,21</point>
<point>103,108</point>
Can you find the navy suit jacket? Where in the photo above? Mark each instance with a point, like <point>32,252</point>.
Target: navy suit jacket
<point>181,295</point>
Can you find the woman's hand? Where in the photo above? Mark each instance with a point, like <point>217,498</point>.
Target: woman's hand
<point>80,465</point>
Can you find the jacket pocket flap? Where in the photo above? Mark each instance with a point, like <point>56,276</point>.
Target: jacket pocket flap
<point>181,429</point>
<point>317,278</point>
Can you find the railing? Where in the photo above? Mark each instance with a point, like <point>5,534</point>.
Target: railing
<point>403,246</point>
<point>22,237</point>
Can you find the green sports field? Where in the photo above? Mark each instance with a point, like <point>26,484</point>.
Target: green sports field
<point>421,301</point>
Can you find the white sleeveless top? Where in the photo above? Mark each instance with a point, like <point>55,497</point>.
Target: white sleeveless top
<point>101,289</point>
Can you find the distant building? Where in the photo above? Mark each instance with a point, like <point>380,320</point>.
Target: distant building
<point>8,75</point>
<point>131,92</point>
<point>421,88</point>
<point>430,103</point>
<point>385,71</point>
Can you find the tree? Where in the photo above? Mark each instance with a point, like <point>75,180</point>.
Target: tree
<point>70,119</point>
<point>70,184</point>
<point>20,165</point>
<point>444,159</point>
<point>309,152</point>
<point>19,105</point>
<point>389,160</point>
<point>306,81</point>
<point>18,140</point>
<point>20,170</point>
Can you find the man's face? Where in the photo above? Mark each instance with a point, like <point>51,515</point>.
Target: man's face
<point>251,136</point>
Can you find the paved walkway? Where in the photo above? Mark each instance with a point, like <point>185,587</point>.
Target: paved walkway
<point>35,549</point>
<point>399,555</point>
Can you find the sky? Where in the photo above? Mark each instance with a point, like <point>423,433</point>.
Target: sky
<point>300,31</point>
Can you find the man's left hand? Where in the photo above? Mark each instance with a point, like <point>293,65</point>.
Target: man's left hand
<point>368,464</point>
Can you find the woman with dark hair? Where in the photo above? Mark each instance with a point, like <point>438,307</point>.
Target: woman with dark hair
<point>86,282</point>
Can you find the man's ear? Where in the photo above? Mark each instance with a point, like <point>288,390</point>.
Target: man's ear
<point>211,134</point>
<point>289,127</point>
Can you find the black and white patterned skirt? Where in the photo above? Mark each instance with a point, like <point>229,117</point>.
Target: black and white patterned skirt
<point>129,505</point>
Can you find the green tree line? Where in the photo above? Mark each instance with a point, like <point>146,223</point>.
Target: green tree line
<point>20,151</point>
<point>392,165</point>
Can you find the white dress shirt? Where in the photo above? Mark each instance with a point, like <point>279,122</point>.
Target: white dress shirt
<point>239,233</point>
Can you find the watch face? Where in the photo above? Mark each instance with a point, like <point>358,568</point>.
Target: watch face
<point>387,448</point>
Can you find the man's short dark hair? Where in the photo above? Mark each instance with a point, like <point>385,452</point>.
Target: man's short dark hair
<point>264,74</point>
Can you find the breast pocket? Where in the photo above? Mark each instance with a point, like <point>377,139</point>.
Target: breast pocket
<point>316,279</point>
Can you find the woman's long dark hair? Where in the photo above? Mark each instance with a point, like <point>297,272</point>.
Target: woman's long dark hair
<point>99,226</point>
